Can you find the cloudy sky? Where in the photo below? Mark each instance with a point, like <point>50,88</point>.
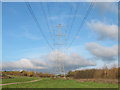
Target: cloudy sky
<point>25,48</point>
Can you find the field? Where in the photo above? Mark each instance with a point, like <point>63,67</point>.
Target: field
<point>48,83</point>
<point>18,79</point>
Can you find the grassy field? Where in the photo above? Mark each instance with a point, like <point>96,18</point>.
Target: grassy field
<point>48,83</point>
<point>18,79</point>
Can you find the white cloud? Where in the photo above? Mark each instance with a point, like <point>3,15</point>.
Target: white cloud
<point>103,53</point>
<point>48,62</point>
<point>72,59</point>
<point>104,31</point>
<point>105,7</point>
<point>24,64</point>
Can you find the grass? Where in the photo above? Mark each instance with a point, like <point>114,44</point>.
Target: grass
<point>18,79</point>
<point>48,83</point>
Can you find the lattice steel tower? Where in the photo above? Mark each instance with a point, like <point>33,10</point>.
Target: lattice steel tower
<point>59,44</point>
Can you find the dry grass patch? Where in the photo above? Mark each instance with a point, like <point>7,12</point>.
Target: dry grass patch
<point>110,81</point>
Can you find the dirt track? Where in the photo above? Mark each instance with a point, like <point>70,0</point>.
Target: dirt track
<point>20,82</point>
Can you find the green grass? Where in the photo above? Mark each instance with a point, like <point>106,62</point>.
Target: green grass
<point>19,79</point>
<point>48,83</point>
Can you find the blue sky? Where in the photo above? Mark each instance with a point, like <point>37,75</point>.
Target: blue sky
<point>21,38</point>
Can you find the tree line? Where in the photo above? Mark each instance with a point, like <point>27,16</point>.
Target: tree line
<point>104,73</point>
<point>26,73</point>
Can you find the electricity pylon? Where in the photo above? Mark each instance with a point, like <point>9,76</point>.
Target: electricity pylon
<point>59,42</point>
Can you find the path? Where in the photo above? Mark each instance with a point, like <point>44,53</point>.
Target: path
<point>20,82</point>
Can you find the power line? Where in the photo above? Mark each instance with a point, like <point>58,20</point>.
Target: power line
<point>69,31</point>
<point>52,31</point>
<point>73,20</point>
<point>46,17</point>
<point>41,5</point>
<point>48,10</point>
<point>83,21</point>
<point>75,15</point>
<point>37,23</point>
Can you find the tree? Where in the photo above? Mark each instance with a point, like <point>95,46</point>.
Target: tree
<point>31,74</point>
<point>40,74</point>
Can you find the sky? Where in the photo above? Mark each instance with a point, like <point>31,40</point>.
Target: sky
<point>25,48</point>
